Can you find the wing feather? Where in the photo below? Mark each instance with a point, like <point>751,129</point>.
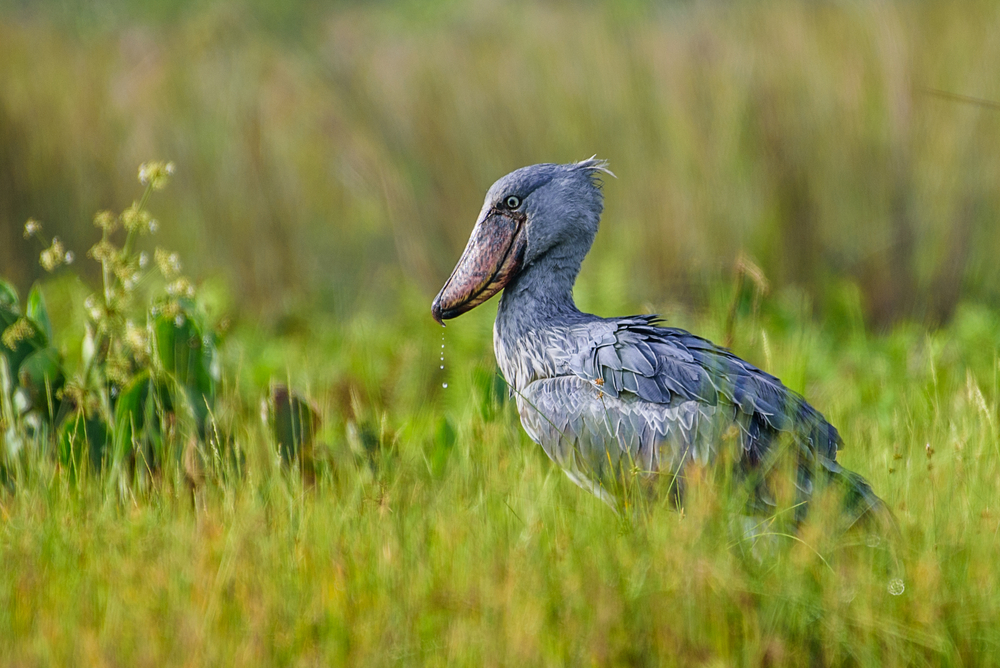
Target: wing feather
<point>666,365</point>
<point>632,393</point>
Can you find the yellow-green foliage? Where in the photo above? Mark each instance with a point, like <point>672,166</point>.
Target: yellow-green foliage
<point>436,532</point>
<point>327,154</point>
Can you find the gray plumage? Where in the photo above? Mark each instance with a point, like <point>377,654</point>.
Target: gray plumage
<point>602,393</point>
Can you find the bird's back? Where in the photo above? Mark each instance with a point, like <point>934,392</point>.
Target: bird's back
<point>605,395</point>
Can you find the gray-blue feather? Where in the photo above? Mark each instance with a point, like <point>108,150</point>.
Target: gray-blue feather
<point>667,365</point>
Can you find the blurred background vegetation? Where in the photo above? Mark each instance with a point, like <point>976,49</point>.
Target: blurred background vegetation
<point>336,154</point>
<point>331,158</point>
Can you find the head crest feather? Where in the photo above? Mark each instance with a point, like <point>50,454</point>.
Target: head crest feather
<point>594,168</point>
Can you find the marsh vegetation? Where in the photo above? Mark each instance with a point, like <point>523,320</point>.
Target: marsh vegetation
<point>287,476</point>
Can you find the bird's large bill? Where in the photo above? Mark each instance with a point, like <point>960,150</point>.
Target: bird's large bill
<point>491,258</point>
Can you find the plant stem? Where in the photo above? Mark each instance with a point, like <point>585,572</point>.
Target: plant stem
<point>127,248</point>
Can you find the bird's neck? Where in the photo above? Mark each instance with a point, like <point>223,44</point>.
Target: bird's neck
<point>534,307</point>
<point>542,292</point>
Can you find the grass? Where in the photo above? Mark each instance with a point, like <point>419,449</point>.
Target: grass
<point>330,161</point>
<point>437,533</point>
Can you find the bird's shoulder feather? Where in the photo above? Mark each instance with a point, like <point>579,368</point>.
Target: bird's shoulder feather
<point>663,364</point>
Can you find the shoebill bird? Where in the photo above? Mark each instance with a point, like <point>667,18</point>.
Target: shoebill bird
<point>605,395</point>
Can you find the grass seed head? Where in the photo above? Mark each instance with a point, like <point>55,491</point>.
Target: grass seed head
<point>168,263</point>
<point>136,219</point>
<point>180,288</point>
<point>137,342</point>
<point>19,331</point>
<point>107,221</point>
<point>31,228</point>
<point>156,174</point>
<point>103,251</point>
<point>93,306</point>
<point>54,255</point>
<point>118,368</point>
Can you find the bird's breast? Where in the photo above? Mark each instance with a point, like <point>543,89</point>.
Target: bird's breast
<point>530,355</point>
<point>521,360</point>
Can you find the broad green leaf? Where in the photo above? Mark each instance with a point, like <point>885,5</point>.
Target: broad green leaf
<point>42,366</point>
<point>189,358</point>
<point>131,411</point>
<point>35,339</point>
<point>89,348</point>
<point>41,375</point>
<point>38,312</point>
<point>293,424</point>
<point>82,441</point>
<point>8,296</point>
<point>8,316</point>
<point>139,413</point>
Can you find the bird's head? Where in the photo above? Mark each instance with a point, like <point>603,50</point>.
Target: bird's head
<point>528,214</point>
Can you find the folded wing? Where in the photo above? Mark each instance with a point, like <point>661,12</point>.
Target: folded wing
<point>655,398</point>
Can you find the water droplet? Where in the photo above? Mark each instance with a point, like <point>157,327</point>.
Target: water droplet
<point>873,540</point>
<point>444,385</point>
<point>896,587</point>
<point>442,354</point>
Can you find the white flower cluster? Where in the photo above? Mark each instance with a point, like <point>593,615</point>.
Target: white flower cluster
<point>55,255</point>
<point>32,228</point>
<point>156,174</point>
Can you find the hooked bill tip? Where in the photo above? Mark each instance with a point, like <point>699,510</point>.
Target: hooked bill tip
<point>436,311</point>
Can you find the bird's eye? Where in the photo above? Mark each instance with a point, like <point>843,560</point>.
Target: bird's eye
<point>513,202</point>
